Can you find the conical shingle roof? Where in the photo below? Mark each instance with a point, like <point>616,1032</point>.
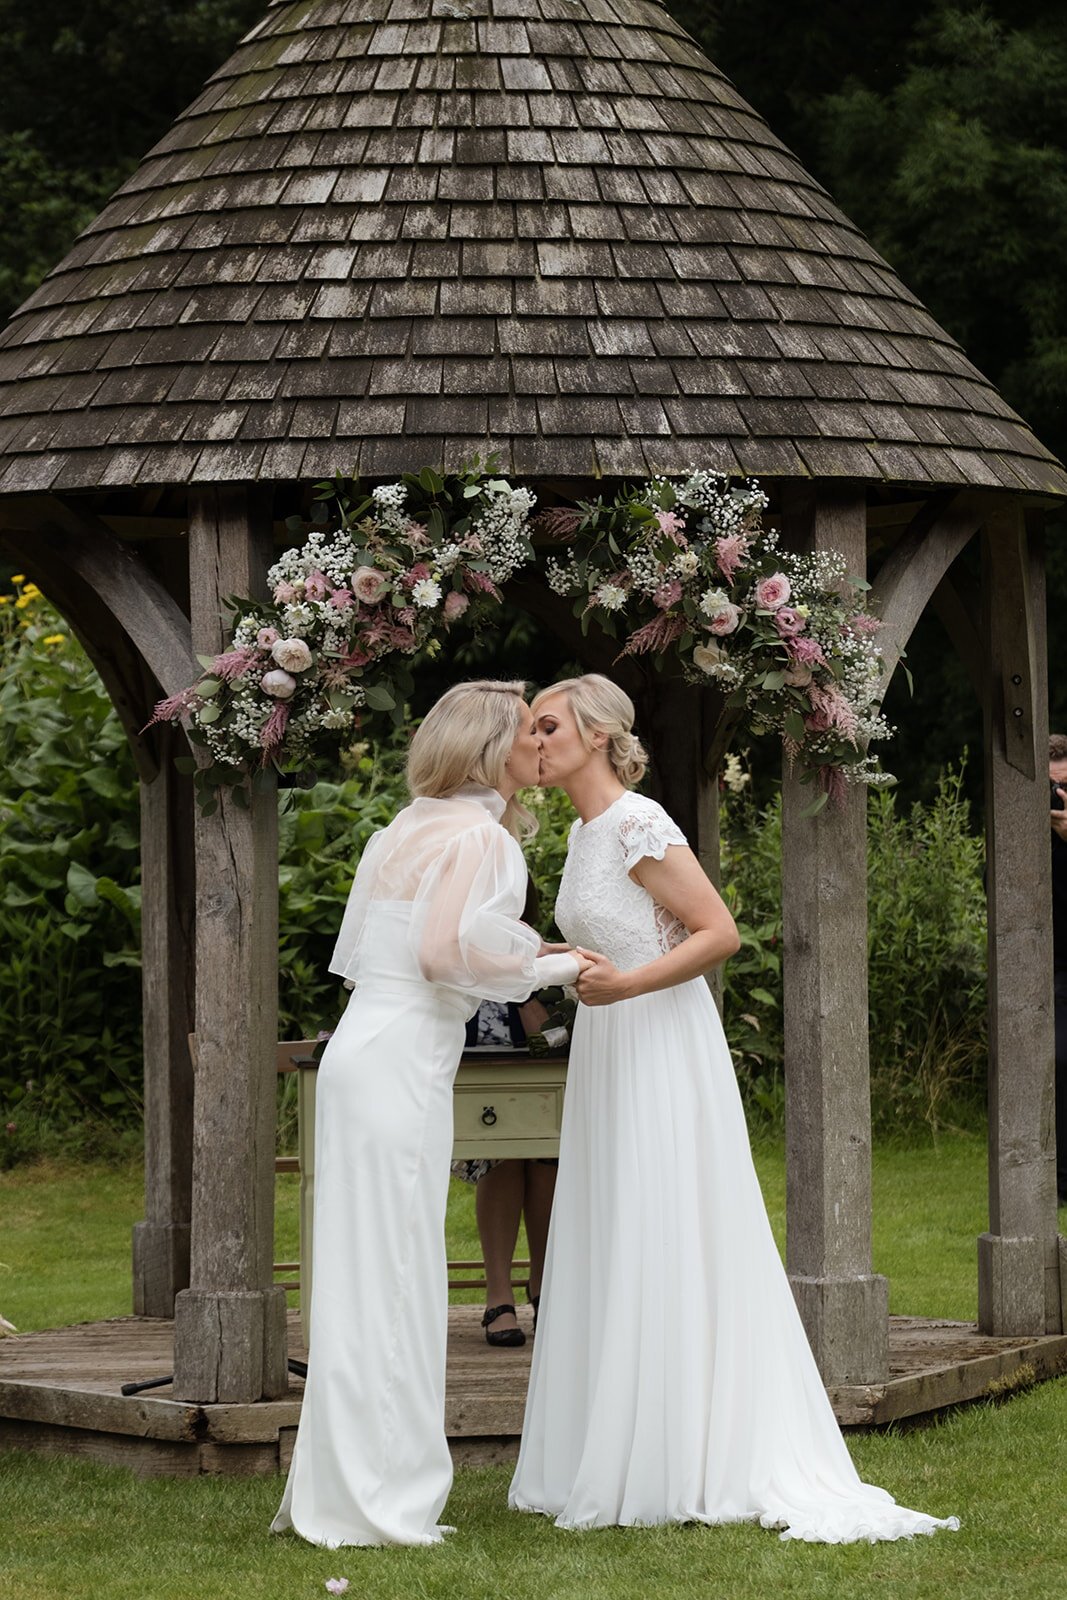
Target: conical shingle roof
<point>391,232</point>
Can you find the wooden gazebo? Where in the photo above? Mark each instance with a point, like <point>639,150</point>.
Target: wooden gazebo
<point>392,234</point>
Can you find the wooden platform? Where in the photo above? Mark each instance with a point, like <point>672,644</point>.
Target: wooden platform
<point>59,1393</point>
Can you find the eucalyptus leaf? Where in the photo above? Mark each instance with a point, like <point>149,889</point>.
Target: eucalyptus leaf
<point>380,696</point>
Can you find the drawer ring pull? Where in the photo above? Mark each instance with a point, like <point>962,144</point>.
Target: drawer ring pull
<point>488,1116</point>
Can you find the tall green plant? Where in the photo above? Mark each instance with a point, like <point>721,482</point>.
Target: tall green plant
<point>926,954</point>
<point>69,879</point>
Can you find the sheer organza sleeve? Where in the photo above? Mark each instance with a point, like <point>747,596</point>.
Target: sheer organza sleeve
<point>465,922</point>
<point>345,959</point>
<point>647,830</point>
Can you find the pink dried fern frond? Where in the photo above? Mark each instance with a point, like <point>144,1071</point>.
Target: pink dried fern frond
<point>658,634</point>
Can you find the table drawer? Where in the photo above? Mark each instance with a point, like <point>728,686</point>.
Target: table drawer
<point>492,1112</point>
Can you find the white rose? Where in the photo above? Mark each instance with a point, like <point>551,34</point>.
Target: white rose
<point>610,596</point>
<point>708,656</point>
<point>292,654</point>
<point>279,685</point>
<point>426,592</point>
<point>368,585</point>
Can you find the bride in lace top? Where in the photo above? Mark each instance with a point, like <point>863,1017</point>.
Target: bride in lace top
<point>672,1380</point>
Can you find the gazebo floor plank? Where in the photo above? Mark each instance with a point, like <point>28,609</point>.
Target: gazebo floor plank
<point>60,1393</point>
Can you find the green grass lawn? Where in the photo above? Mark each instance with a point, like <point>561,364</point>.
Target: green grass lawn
<point>72,1531</point>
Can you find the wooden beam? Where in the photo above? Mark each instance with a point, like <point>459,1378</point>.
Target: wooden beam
<point>1018,1261</point>
<point>168,963</point>
<point>957,604</point>
<point>151,619</point>
<point>844,1305</point>
<point>917,564</point>
<point>230,1323</point>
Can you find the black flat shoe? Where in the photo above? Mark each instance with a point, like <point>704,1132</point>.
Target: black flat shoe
<point>503,1338</point>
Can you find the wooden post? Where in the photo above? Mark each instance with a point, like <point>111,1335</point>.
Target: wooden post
<point>843,1304</point>
<point>1018,1264</point>
<point>168,952</point>
<point>229,1326</point>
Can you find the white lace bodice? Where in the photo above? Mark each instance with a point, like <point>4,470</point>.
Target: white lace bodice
<point>599,904</point>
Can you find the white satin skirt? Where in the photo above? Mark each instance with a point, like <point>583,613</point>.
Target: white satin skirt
<point>672,1380</point>
<point>371,1464</point>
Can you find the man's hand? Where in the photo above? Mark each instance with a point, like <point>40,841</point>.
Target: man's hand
<point>1058,819</point>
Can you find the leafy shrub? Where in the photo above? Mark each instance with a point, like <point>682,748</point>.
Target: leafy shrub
<point>926,955</point>
<point>69,889</point>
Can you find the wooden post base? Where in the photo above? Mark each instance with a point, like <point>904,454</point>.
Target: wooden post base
<point>1012,1289</point>
<point>229,1345</point>
<point>847,1324</point>
<point>160,1266</point>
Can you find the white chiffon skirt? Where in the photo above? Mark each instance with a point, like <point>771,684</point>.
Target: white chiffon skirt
<point>371,1464</point>
<point>672,1380</point>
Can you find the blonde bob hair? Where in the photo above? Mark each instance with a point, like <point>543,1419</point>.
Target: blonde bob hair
<point>600,706</point>
<point>465,738</point>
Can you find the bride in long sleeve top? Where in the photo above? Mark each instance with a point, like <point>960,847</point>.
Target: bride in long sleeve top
<point>431,928</point>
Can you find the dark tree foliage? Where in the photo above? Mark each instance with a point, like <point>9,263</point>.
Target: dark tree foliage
<point>86,88</point>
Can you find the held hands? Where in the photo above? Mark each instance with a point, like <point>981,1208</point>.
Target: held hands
<point>599,982</point>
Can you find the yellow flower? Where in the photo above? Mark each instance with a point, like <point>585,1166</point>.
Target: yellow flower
<point>23,601</point>
<point>20,577</point>
<point>31,591</point>
<point>54,638</point>
<point>5,599</point>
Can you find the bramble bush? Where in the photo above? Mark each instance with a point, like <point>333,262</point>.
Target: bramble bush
<point>70,1074</point>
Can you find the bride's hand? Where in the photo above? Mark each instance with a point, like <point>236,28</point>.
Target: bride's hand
<point>599,983</point>
<point>554,949</point>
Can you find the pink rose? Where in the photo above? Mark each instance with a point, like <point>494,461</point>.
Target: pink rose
<point>267,637</point>
<point>369,585</point>
<point>725,620</point>
<point>730,552</point>
<point>316,587</point>
<point>798,677</point>
<point>789,622</point>
<point>279,685</point>
<point>455,605</point>
<point>668,594</point>
<point>772,592</point>
<point>341,599</point>
<point>284,594</point>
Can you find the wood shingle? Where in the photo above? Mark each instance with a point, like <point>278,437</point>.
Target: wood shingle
<point>549,227</point>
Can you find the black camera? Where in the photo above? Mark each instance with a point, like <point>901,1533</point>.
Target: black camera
<point>1054,796</point>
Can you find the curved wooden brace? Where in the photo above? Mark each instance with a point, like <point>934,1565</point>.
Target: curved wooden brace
<point>79,542</point>
<point>130,686</point>
<point>915,568</point>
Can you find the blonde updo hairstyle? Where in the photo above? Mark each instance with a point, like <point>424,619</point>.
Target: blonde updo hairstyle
<point>466,738</point>
<point>600,706</point>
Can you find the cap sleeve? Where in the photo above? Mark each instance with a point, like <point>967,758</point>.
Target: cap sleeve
<point>645,831</point>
